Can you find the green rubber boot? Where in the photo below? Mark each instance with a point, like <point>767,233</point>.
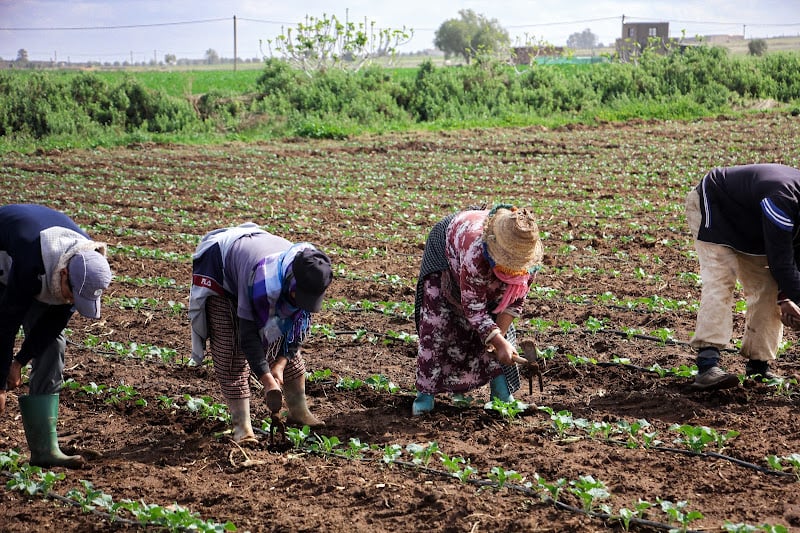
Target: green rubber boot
<point>499,389</point>
<point>39,417</point>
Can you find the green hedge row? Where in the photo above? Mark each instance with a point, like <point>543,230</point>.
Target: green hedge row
<point>688,82</point>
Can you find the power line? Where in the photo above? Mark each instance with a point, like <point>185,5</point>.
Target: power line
<point>126,26</point>
<point>564,23</point>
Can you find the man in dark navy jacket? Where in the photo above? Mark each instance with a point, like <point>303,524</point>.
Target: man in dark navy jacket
<point>746,221</point>
<point>48,268</point>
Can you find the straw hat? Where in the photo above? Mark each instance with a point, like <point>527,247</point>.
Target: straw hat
<point>511,239</point>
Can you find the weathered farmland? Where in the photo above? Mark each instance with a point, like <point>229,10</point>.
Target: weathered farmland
<point>611,311</point>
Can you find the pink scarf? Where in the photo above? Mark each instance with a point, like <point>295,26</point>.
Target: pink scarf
<point>516,288</point>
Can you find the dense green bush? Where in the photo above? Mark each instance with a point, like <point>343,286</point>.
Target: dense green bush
<point>688,82</point>
<point>43,104</point>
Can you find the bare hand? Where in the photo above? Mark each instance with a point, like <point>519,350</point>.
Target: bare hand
<point>504,351</point>
<point>14,375</point>
<point>790,314</point>
<point>278,368</point>
<point>2,401</point>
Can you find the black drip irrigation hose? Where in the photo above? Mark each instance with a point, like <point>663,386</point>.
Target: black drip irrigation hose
<point>734,460</point>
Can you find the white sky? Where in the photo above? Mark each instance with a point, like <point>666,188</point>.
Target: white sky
<point>38,26</point>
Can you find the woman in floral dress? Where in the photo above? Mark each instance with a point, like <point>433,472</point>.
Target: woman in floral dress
<point>477,268</point>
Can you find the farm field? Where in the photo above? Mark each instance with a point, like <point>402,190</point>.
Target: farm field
<point>610,311</point>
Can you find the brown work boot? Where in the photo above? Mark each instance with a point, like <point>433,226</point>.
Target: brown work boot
<point>713,379</point>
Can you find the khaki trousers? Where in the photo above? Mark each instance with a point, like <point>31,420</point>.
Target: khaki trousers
<point>720,267</point>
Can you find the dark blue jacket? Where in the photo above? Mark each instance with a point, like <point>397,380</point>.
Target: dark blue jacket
<point>755,209</point>
<point>20,227</point>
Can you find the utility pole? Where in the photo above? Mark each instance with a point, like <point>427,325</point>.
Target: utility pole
<point>235,53</point>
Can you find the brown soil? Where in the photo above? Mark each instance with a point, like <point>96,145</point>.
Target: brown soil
<point>609,199</point>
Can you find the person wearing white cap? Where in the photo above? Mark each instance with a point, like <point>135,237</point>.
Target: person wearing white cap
<point>476,271</point>
<point>251,298</point>
<point>49,268</point>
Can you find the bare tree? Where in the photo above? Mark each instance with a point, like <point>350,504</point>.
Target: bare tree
<point>321,43</point>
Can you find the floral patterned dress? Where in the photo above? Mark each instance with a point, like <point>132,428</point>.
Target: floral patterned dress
<point>455,313</point>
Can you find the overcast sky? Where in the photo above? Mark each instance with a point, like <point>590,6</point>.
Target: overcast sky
<point>94,30</point>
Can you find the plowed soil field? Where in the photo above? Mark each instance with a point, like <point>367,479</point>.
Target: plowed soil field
<point>611,313</point>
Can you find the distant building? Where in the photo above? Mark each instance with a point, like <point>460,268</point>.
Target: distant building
<point>636,36</point>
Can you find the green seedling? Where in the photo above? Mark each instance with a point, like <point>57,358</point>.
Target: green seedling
<point>325,444</point>
<point>33,480</point>
<point>566,326</point>
<point>589,490</point>
<point>663,335</point>
<point>578,360</point>
<point>453,465</point>
<point>391,453</point>
<point>355,449</point>
<point>402,336</point>
<point>9,461</point>
<point>207,408</point>
<point>176,308</point>
<point>632,430</point>
<point>783,386</point>
<point>627,515</point>
<point>319,375</point>
<point>747,528</point>
<point>547,353</point>
<point>90,499</point>
<point>381,383</point>
<point>422,453</point>
<point>323,329</point>
<point>507,410</point>
<point>696,438</point>
<point>166,402</point>
<point>551,490</point>
<point>540,325</point>
<point>297,436</point>
<point>632,332</point>
<point>461,400</point>
<point>501,476</point>
<point>602,429</point>
<point>124,393</point>
<point>776,463</point>
<point>348,383</point>
<point>677,513</point>
<point>649,440</point>
<point>593,325</point>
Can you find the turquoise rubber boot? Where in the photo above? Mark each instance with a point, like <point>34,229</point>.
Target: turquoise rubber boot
<point>39,417</point>
<point>499,389</point>
<point>423,404</point>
